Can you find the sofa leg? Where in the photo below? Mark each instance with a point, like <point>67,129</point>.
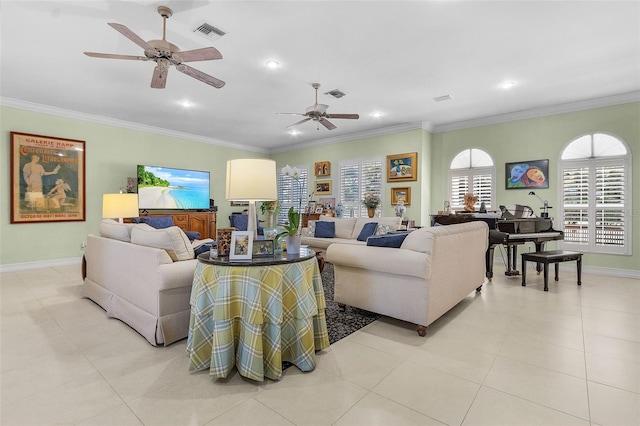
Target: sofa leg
<point>422,330</point>
<point>479,288</point>
<point>342,307</point>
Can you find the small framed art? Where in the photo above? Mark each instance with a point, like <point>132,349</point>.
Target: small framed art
<point>322,168</point>
<point>527,174</point>
<point>311,207</point>
<point>270,233</point>
<point>319,209</point>
<point>241,245</point>
<point>401,194</point>
<point>262,248</point>
<point>402,167</point>
<point>323,187</point>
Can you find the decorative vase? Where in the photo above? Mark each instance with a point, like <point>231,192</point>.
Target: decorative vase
<point>400,209</point>
<point>339,210</point>
<point>293,244</point>
<point>371,211</point>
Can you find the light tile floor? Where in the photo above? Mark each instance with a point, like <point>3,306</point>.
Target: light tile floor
<point>506,356</point>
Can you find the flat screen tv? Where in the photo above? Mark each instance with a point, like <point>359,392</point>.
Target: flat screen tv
<point>172,189</point>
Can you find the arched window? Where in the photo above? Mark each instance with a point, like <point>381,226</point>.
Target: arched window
<point>472,170</point>
<point>595,198</point>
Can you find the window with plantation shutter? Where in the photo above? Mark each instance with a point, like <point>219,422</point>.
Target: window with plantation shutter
<point>595,170</point>
<point>356,178</point>
<point>472,171</point>
<point>292,193</point>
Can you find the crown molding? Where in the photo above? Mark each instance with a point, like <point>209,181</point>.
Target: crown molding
<point>351,137</point>
<point>61,112</point>
<point>619,99</point>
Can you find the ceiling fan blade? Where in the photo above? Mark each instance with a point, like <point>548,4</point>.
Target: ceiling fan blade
<point>113,56</point>
<point>131,36</point>
<point>299,122</point>
<point>326,123</point>
<point>290,113</point>
<point>199,75</point>
<point>351,116</point>
<point>204,54</point>
<point>159,79</point>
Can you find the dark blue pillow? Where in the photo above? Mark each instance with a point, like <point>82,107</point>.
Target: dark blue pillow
<point>387,240</point>
<point>325,229</point>
<point>158,222</point>
<point>203,248</point>
<point>367,230</point>
<point>192,235</point>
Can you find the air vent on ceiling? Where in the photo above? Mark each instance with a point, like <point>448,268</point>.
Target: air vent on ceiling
<point>209,31</point>
<point>336,93</point>
<point>443,98</point>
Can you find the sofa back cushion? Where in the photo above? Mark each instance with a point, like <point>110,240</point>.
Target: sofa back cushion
<point>171,239</point>
<point>344,226</point>
<point>110,228</point>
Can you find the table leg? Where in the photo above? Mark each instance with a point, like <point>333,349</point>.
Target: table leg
<point>546,276</point>
<point>557,268</point>
<point>579,263</point>
<point>489,263</point>
<point>524,272</point>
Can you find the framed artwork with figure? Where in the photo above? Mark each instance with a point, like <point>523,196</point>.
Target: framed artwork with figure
<point>527,174</point>
<point>47,179</point>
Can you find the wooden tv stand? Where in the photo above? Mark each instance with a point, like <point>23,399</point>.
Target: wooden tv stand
<point>202,222</point>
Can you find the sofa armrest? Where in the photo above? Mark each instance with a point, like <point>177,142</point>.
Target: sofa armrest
<point>380,259</point>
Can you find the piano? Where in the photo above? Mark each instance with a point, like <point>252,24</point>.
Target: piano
<point>508,231</point>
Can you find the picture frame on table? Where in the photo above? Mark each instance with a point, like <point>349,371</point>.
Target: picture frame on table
<point>270,233</point>
<point>263,248</point>
<point>401,193</point>
<point>47,179</point>
<point>323,187</point>
<point>402,167</point>
<point>241,247</point>
<point>311,207</point>
<point>527,174</point>
<point>319,209</point>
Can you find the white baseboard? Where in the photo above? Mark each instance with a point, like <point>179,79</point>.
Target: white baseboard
<point>13,267</point>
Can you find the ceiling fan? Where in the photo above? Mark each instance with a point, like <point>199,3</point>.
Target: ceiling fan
<point>318,113</point>
<point>165,54</point>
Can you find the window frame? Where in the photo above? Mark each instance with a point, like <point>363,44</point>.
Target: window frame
<point>285,184</point>
<point>471,172</point>
<point>360,210</point>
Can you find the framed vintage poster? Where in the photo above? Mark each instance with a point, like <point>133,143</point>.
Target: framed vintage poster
<point>322,168</point>
<point>323,187</point>
<point>527,174</point>
<point>241,247</point>
<point>401,194</point>
<point>402,167</point>
<point>47,179</point>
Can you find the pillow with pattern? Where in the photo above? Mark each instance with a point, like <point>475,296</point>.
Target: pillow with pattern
<point>310,230</point>
<point>384,229</point>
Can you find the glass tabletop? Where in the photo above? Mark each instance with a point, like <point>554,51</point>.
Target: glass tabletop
<point>275,259</point>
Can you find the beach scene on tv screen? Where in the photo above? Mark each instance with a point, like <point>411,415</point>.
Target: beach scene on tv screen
<point>167,188</point>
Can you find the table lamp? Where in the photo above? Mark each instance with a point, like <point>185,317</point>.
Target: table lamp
<point>252,179</point>
<point>545,205</point>
<point>119,206</point>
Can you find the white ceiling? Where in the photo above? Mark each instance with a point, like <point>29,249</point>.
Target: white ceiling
<point>389,56</point>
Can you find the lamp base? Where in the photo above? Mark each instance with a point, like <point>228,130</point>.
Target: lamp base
<point>251,220</point>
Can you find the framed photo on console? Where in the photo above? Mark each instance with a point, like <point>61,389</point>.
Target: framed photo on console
<point>47,179</point>
<point>241,245</point>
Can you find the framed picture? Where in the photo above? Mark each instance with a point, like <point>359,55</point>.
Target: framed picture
<point>323,187</point>
<point>327,203</point>
<point>47,179</point>
<point>322,168</point>
<point>402,193</point>
<point>241,246</point>
<point>320,209</point>
<point>527,174</point>
<point>402,167</point>
<point>311,207</point>
<point>270,233</point>
<point>262,248</point>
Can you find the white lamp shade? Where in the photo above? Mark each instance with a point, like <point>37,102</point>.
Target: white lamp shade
<point>252,179</point>
<point>119,205</point>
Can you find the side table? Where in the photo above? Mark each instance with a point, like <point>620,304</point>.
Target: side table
<point>547,257</point>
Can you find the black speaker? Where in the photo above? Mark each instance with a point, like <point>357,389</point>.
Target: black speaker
<point>212,203</point>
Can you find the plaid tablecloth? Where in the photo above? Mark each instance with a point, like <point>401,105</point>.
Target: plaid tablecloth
<point>255,317</point>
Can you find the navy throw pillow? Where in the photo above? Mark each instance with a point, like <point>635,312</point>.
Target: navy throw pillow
<point>387,240</point>
<point>192,235</point>
<point>203,249</point>
<point>367,230</point>
<point>158,222</point>
<point>325,229</point>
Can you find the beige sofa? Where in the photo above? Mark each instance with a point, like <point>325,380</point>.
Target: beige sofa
<point>433,270</point>
<point>142,276</point>
<point>347,230</point>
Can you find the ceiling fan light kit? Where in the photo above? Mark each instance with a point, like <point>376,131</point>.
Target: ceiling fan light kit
<point>165,54</point>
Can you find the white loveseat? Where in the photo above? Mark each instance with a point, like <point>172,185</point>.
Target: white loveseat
<point>145,283</point>
<point>433,270</point>
<point>347,230</point>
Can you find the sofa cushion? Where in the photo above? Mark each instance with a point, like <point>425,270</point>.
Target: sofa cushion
<point>392,223</point>
<point>388,240</point>
<point>171,239</point>
<point>344,226</point>
<point>158,222</point>
<point>325,229</point>
<point>367,230</point>
<point>384,228</point>
<point>110,228</point>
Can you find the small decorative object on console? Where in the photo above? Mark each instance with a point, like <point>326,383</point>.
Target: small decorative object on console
<point>469,201</point>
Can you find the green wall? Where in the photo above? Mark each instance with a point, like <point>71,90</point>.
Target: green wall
<point>112,154</point>
<point>542,138</point>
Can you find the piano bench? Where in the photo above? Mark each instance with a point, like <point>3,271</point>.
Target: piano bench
<point>547,257</point>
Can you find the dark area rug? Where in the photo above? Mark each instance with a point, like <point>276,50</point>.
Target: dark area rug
<point>341,324</point>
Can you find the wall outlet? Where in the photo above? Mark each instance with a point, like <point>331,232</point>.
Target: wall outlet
<point>83,245</point>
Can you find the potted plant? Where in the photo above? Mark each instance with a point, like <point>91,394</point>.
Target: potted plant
<point>291,234</point>
<point>371,202</point>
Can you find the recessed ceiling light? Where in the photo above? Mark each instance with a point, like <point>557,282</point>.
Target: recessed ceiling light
<point>272,63</point>
<point>507,85</point>
<point>186,104</point>
<point>294,132</point>
<point>376,114</point>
